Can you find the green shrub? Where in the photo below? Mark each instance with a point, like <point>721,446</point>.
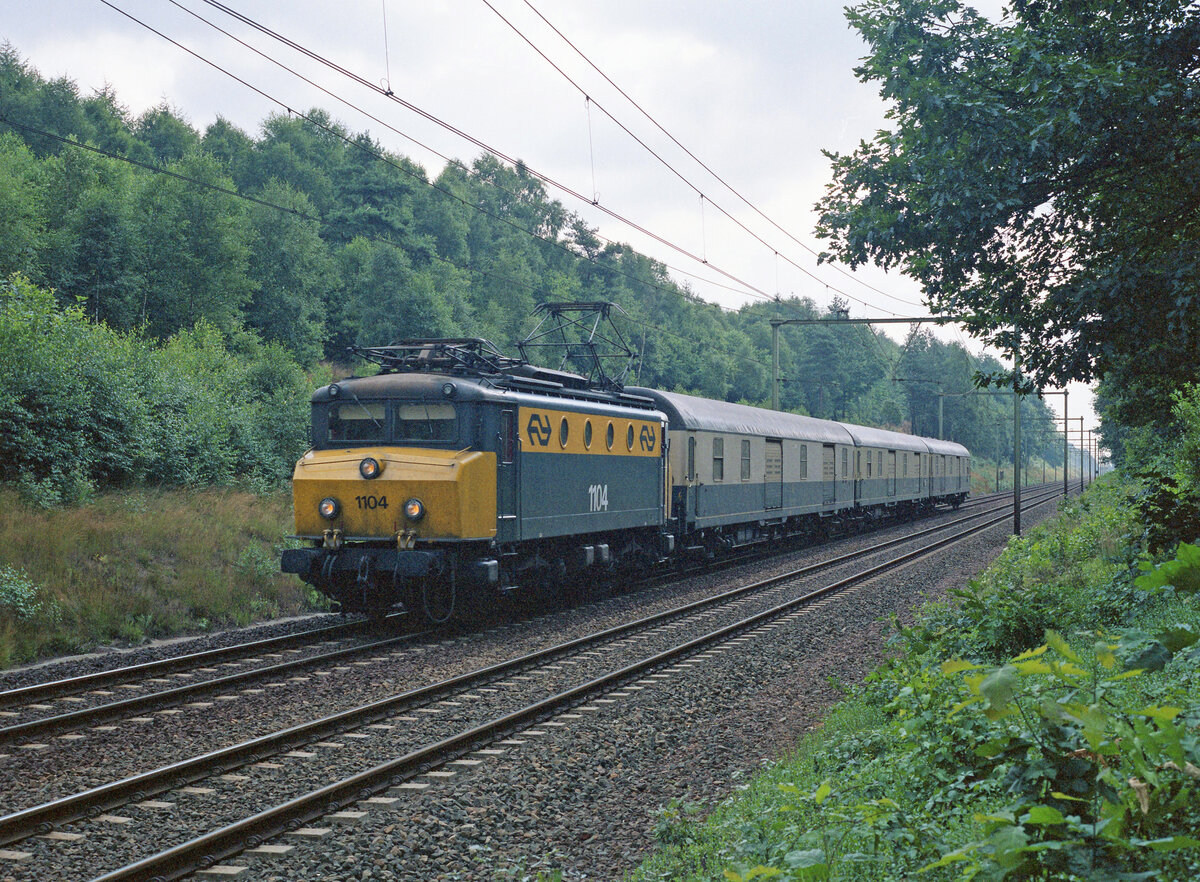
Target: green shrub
<point>1167,461</point>
<point>87,408</point>
<point>20,598</point>
<point>1074,571</point>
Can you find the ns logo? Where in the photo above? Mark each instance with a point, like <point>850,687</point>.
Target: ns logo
<point>647,438</point>
<point>539,429</point>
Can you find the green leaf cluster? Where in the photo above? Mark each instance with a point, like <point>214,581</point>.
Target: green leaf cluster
<point>981,751</point>
<point>87,407</point>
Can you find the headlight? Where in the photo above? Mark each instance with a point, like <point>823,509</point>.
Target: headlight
<point>370,468</point>
<point>414,509</point>
<point>329,508</point>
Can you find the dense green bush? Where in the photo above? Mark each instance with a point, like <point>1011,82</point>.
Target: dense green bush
<point>1067,574</point>
<point>964,757</point>
<point>21,600</point>
<point>1166,458</point>
<point>84,406</point>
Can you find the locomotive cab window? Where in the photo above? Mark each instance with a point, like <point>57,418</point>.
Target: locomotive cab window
<point>358,421</point>
<point>420,421</point>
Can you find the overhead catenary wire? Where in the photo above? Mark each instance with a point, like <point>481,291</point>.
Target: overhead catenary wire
<point>356,143</point>
<point>748,288</point>
<point>754,292</point>
<point>418,143</point>
<point>690,154</point>
<point>387,55</point>
<point>482,145</point>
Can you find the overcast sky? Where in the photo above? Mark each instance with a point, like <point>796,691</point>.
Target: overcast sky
<point>755,89</point>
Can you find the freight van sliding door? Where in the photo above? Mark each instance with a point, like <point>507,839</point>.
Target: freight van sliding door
<point>773,485</point>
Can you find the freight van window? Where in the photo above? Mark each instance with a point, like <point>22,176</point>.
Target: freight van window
<point>357,421</point>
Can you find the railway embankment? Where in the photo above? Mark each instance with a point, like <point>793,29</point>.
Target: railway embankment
<point>131,566</point>
<point>1041,722</point>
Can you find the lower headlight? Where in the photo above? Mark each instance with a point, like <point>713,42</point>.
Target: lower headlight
<point>329,508</point>
<point>370,468</point>
<point>414,509</point>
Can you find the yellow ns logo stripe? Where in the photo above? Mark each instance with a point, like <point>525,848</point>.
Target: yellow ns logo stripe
<point>558,431</point>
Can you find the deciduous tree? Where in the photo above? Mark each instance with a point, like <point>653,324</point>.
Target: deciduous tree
<point>1042,169</point>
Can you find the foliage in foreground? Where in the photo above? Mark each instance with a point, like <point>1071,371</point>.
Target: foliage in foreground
<point>978,753</point>
<point>1166,458</point>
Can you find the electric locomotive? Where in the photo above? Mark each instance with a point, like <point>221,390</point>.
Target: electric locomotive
<point>457,473</point>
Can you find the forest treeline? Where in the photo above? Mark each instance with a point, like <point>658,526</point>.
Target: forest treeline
<point>186,251</point>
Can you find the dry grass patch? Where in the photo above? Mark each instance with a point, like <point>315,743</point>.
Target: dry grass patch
<point>137,564</point>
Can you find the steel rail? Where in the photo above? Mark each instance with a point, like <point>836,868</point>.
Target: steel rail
<point>113,710</point>
<point>97,679</point>
<point>42,818</point>
<point>208,849</point>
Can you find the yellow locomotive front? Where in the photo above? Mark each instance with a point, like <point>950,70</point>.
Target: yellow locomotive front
<point>396,500</point>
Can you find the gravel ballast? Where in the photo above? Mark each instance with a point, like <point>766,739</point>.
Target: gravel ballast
<point>581,797</point>
<point>584,798</point>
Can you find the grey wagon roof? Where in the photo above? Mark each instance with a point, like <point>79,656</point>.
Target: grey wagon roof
<point>865,436</point>
<point>702,414</point>
<point>947,448</point>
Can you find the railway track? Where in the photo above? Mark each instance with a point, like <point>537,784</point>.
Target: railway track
<point>146,690</point>
<point>499,699</point>
<point>225,655</point>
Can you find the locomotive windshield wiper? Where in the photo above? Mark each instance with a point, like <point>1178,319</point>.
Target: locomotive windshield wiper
<point>429,422</point>
<point>365,410</point>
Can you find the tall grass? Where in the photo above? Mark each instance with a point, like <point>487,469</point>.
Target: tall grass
<point>138,564</point>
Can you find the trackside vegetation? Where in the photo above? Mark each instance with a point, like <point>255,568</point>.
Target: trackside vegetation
<point>140,564</point>
<point>1041,724</point>
<point>98,426</point>
<point>85,407</point>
